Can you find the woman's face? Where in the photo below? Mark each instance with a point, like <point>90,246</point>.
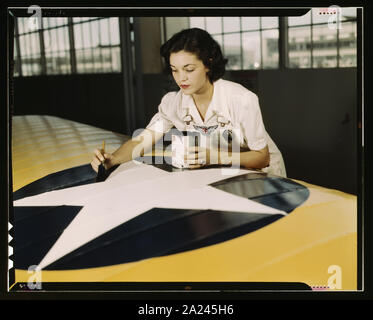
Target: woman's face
<point>189,72</point>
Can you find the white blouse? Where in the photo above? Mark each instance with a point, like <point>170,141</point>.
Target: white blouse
<point>233,107</point>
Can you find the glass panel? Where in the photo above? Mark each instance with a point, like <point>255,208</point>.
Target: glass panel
<point>232,51</point>
<point>300,47</point>
<point>269,22</point>
<point>106,59</point>
<point>347,45</point>
<point>45,23</point>
<point>349,13</point>
<point>62,33</point>
<point>78,36</point>
<point>22,45</point>
<point>104,32</point>
<point>34,43</point>
<point>231,24</point>
<point>86,36</point>
<point>213,25</point>
<point>324,47</point>
<point>251,50</point>
<point>51,22</point>
<point>36,65</point>
<point>115,58</point>
<point>20,25</point>
<point>53,44</point>
<point>197,22</point>
<point>80,59</point>
<point>250,23</point>
<point>94,33</point>
<point>114,31</point>
<point>302,20</point>
<point>60,21</point>
<point>270,49</point>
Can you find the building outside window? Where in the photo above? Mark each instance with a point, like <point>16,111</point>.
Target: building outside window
<point>253,42</point>
<point>314,43</point>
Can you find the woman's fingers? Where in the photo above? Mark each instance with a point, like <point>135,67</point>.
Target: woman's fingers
<point>99,154</point>
<point>195,157</point>
<point>98,158</point>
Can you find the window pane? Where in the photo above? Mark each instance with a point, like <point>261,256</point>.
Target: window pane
<point>197,22</point>
<point>250,23</point>
<point>94,33</point>
<point>269,22</point>
<point>213,25</point>
<point>270,49</point>
<point>115,58</point>
<point>348,13</point>
<point>20,25</point>
<point>86,35</point>
<point>300,47</point>
<point>34,43</point>
<point>324,46</point>
<point>231,24</point>
<point>302,20</point>
<point>232,51</point>
<point>114,31</point>
<point>60,21</point>
<point>78,36</point>
<point>80,61</point>
<point>63,38</point>
<point>251,50</point>
<point>104,32</point>
<point>347,45</point>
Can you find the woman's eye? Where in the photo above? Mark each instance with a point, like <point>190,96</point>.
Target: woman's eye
<point>190,70</point>
<point>173,70</point>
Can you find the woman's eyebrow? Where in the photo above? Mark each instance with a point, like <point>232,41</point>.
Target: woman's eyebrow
<point>189,64</point>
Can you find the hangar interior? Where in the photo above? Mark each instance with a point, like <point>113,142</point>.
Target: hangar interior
<point>107,72</point>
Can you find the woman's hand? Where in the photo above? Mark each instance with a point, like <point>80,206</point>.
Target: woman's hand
<point>99,157</point>
<point>197,157</point>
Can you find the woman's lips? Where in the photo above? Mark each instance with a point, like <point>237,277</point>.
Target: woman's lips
<point>184,86</point>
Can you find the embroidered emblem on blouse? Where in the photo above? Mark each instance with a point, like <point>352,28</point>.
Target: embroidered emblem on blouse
<point>205,130</point>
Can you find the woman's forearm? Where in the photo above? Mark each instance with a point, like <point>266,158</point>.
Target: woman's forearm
<point>136,147</point>
<point>254,159</point>
<point>125,152</point>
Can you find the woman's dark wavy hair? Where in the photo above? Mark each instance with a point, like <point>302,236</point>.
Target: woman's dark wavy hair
<point>200,43</point>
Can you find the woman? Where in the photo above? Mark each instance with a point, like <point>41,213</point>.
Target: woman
<point>204,103</point>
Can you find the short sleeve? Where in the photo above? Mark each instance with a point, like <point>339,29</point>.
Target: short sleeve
<point>252,123</point>
<point>162,120</point>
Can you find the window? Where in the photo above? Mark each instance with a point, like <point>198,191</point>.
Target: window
<point>67,45</point>
<point>315,41</point>
<point>29,47</point>
<point>97,45</point>
<point>56,45</point>
<point>247,42</point>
